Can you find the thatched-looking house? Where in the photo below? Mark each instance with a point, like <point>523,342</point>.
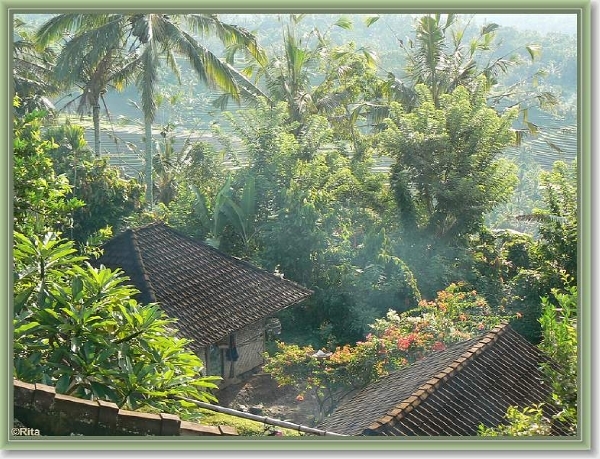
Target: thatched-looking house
<point>450,392</point>
<point>220,302</point>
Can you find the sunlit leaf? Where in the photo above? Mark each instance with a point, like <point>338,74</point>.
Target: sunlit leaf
<point>371,19</point>
<point>534,50</point>
<point>344,22</point>
<point>487,28</point>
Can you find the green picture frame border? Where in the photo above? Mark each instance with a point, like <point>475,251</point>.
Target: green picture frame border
<point>582,442</point>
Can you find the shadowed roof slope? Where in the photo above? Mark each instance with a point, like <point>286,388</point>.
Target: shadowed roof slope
<point>210,293</point>
<point>449,392</point>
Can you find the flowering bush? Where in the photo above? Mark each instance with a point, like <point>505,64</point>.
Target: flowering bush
<point>395,341</point>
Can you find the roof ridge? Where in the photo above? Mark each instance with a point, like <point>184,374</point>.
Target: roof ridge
<point>431,385</point>
<point>140,262</point>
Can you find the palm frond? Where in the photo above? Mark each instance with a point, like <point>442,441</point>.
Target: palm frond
<point>228,34</point>
<point>330,102</point>
<point>213,70</point>
<point>88,49</point>
<point>248,92</point>
<point>55,28</point>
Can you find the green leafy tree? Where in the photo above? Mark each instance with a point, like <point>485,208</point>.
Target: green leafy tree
<point>79,329</point>
<point>109,198</point>
<point>314,76</point>
<point>447,172</point>
<point>527,422</point>
<point>227,212</point>
<point>446,53</point>
<point>552,254</point>
<point>559,342</point>
<point>191,178</point>
<point>442,60</point>
<point>318,220</point>
<point>558,218</point>
<point>43,198</point>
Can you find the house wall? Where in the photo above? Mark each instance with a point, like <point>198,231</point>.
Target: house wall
<point>249,344</point>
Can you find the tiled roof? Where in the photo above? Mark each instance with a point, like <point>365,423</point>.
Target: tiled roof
<point>210,293</point>
<point>450,392</point>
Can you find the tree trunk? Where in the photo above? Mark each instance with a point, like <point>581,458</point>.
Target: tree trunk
<point>149,185</point>
<point>96,118</point>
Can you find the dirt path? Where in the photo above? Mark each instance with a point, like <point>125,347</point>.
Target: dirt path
<point>261,395</point>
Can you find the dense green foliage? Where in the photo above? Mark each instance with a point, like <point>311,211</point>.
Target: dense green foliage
<point>42,198</point>
<point>447,174</point>
<point>60,186</point>
<point>559,342</point>
<point>108,197</point>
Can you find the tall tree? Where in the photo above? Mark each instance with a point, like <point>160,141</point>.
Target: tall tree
<point>312,76</point>
<point>447,173</point>
<point>42,198</point>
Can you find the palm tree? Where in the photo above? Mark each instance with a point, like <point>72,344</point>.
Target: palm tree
<point>156,38</point>
<point>33,68</point>
<point>92,59</point>
<point>314,77</point>
<point>442,60</point>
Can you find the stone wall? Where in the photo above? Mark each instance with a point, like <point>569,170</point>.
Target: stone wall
<point>39,407</point>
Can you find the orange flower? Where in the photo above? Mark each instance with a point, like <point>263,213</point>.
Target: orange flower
<point>300,398</point>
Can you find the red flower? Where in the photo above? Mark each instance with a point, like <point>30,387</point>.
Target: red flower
<point>403,343</point>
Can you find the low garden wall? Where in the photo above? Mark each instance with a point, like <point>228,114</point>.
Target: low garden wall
<point>42,410</point>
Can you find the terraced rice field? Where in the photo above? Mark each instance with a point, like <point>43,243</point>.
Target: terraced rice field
<point>125,147</point>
